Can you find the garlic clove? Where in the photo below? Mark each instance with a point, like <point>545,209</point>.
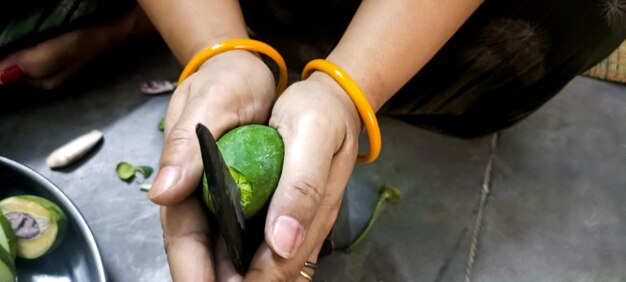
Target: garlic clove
<point>74,150</point>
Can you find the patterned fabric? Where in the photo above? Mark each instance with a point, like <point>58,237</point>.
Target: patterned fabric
<point>28,21</point>
<point>612,68</point>
<point>506,61</point>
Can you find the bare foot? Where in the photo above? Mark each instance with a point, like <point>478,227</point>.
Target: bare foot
<point>50,63</point>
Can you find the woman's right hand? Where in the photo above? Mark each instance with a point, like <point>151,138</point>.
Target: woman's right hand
<point>231,89</point>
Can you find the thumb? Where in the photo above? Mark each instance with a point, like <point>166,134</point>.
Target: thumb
<point>181,163</point>
<point>308,155</point>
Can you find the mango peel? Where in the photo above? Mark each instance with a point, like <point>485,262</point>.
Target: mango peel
<point>254,155</point>
<point>7,267</point>
<point>8,241</point>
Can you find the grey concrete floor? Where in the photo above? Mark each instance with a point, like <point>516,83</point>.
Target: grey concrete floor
<point>554,210</point>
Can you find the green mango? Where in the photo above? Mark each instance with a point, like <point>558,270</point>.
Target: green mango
<point>38,224</point>
<point>7,267</point>
<point>254,155</point>
<point>7,237</point>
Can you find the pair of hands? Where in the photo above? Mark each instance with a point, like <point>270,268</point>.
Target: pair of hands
<point>317,120</point>
<point>320,128</point>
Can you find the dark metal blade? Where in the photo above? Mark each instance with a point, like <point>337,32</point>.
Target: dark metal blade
<point>226,198</point>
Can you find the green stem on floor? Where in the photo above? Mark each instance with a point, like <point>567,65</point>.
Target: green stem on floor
<point>387,193</point>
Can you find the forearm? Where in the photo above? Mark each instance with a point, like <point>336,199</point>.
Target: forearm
<point>189,26</point>
<point>389,41</point>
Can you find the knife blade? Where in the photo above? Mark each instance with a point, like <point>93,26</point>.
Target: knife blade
<point>225,196</point>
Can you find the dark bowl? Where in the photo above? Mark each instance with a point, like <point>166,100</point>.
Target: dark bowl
<point>77,257</point>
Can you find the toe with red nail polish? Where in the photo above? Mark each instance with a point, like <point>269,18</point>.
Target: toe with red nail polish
<point>11,74</point>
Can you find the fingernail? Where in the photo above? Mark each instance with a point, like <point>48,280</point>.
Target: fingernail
<point>11,74</point>
<point>166,179</point>
<point>287,236</point>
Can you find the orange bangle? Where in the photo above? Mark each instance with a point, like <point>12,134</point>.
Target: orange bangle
<point>359,100</point>
<point>237,44</point>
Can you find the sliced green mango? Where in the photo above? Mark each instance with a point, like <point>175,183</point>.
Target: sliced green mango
<point>7,267</point>
<point>254,155</point>
<point>7,237</point>
<point>38,224</point>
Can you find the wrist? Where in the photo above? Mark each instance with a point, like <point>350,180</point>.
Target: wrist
<point>247,63</point>
<point>199,44</point>
<point>338,93</point>
<point>240,44</point>
<point>240,58</point>
<point>360,100</point>
<point>244,75</point>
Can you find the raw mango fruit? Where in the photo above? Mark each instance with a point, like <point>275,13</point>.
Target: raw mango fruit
<point>254,155</point>
<point>7,267</point>
<point>38,224</point>
<point>7,237</point>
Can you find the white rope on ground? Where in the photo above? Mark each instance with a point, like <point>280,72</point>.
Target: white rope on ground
<point>481,207</point>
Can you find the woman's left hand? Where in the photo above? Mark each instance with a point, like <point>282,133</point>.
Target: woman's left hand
<point>320,128</point>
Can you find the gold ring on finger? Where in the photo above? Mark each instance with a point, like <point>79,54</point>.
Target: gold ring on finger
<point>306,275</point>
